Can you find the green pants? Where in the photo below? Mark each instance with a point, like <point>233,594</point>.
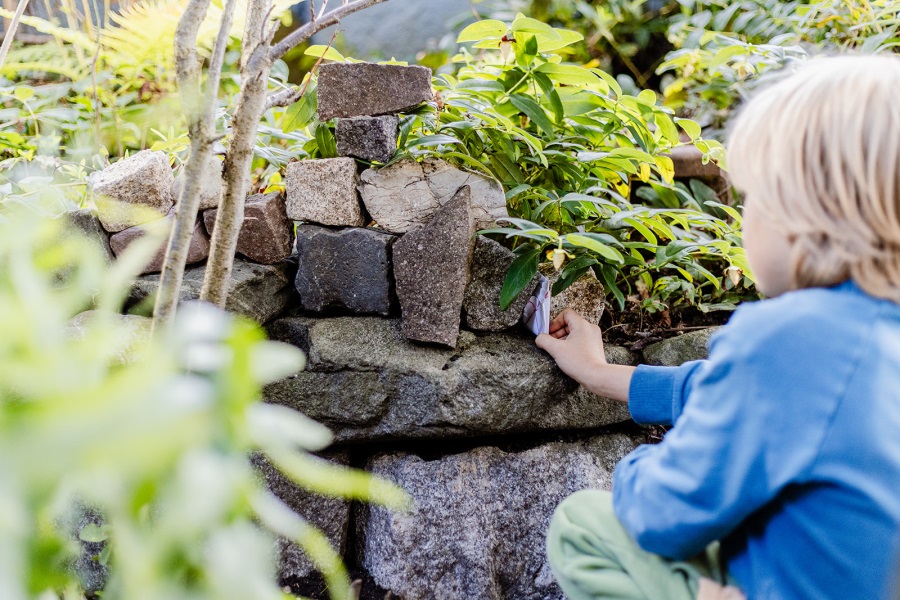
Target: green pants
<point>593,557</point>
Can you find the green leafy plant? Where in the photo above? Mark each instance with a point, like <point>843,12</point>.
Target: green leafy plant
<point>153,434</point>
<point>571,149</point>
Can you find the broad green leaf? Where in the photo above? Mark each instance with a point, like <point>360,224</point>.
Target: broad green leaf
<point>482,29</point>
<point>521,272</point>
<point>325,52</point>
<point>593,245</point>
<point>523,23</point>
<point>534,112</point>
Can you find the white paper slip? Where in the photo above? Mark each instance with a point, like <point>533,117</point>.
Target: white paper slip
<point>537,310</point>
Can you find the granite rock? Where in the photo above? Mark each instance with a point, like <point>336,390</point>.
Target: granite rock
<point>197,251</point>
<point>490,265</point>
<point>367,89</point>
<point>368,138</point>
<point>211,187</point>
<point>407,193</point>
<point>330,515</point>
<point>133,191</point>
<point>324,191</point>
<point>367,383</point>
<point>87,223</point>
<point>586,296</point>
<point>266,234</point>
<point>680,349</point>
<point>346,269</point>
<point>431,267</point>
<point>260,292</point>
<point>480,518</point>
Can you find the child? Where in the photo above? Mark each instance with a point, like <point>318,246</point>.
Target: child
<point>786,442</point>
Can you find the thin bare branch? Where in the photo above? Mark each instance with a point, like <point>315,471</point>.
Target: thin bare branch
<point>302,34</point>
<point>11,31</point>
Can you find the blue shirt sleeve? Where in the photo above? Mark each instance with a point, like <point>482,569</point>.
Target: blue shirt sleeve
<point>749,421</point>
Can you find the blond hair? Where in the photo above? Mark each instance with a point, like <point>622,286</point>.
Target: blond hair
<point>819,153</point>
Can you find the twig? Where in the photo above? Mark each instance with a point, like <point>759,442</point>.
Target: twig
<point>289,96</point>
<point>11,31</point>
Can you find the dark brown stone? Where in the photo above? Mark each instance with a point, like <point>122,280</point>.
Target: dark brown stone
<point>198,250</point>
<point>367,89</point>
<point>266,234</point>
<point>431,268</point>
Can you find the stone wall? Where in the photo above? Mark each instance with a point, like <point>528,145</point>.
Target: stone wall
<point>375,270</point>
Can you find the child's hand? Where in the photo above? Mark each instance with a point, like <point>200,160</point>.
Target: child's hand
<point>577,348</point>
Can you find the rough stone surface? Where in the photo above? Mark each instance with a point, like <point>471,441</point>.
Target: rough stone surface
<point>490,265</point>
<point>133,191</point>
<point>330,515</point>
<point>211,188</point>
<point>367,89</point>
<point>585,296</point>
<point>197,251</point>
<point>324,191</point>
<point>368,138</point>
<point>266,234</point>
<point>480,518</point>
<point>88,223</point>
<point>367,383</point>
<point>345,269</point>
<point>260,292</point>
<point>431,266</point>
<point>679,349</point>
<point>406,194</point>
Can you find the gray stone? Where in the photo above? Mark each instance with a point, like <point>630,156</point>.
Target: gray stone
<point>368,138</point>
<point>490,265</point>
<point>680,349</point>
<point>260,292</point>
<point>330,515</point>
<point>367,383</point>
<point>587,296</point>
<point>197,251</point>
<point>478,526</point>
<point>407,193</point>
<point>87,222</point>
<point>266,234</point>
<point>324,191</point>
<point>133,191</point>
<point>431,267</point>
<point>345,269</point>
<point>211,187</point>
<point>367,89</point>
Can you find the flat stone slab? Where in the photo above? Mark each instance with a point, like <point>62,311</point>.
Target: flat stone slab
<point>480,518</point>
<point>211,188</point>
<point>367,383</point>
<point>407,193</point>
<point>197,251</point>
<point>367,89</point>
<point>490,265</point>
<point>345,269</point>
<point>431,268</point>
<point>680,349</point>
<point>368,138</point>
<point>260,292</point>
<point>587,296</point>
<point>133,191</point>
<point>330,515</point>
<point>266,234</point>
<point>324,191</point>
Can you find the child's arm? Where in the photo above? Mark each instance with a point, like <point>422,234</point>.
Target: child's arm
<point>577,347</point>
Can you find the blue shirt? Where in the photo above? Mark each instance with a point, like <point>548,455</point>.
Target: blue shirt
<point>786,447</point>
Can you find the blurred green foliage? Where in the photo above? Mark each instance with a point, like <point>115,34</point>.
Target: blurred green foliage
<point>152,433</point>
